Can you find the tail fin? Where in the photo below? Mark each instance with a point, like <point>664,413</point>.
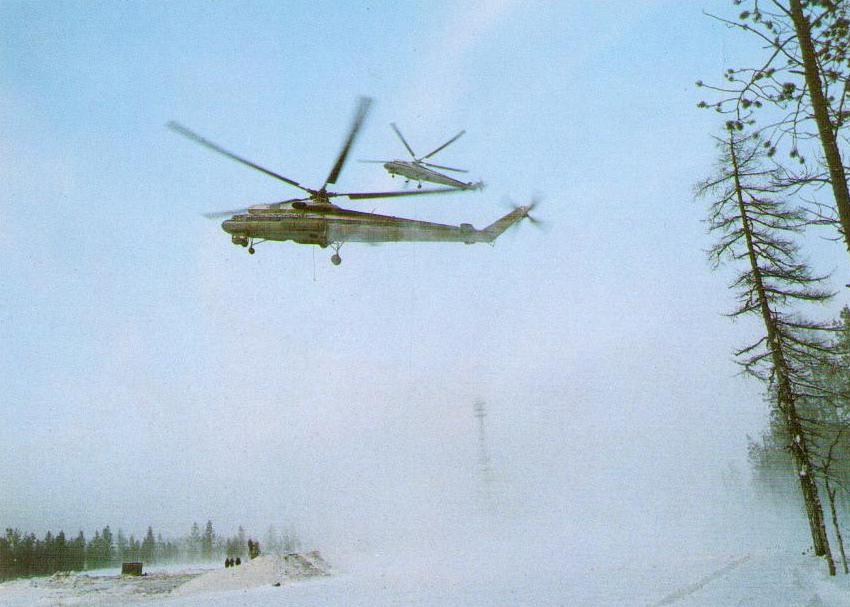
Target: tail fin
<point>495,229</point>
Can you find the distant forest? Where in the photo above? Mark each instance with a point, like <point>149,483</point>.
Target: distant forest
<point>25,555</point>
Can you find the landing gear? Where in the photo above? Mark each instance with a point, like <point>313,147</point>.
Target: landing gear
<point>419,187</point>
<point>248,242</point>
<point>335,258</point>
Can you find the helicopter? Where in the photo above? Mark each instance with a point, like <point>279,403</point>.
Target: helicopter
<point>418,170</point>
<point>315,220</point>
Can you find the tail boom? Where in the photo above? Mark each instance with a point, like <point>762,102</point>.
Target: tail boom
<point>497,228</point>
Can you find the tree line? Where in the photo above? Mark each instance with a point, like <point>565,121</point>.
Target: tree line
<point>779,175</point>
<point>26,555</point>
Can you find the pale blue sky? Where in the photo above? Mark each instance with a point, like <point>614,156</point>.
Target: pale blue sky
<point>156,374</point>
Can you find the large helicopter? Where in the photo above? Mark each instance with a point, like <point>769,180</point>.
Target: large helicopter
<point>316,220</point>
<point>418,170</point>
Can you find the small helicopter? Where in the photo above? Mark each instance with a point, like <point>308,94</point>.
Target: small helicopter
<point>418,170</point>
<point>315,220</point>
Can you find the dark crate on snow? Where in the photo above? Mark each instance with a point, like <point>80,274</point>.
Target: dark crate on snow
<point>131,569</point>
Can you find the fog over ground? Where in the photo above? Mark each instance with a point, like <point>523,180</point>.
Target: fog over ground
<point>154,374</point>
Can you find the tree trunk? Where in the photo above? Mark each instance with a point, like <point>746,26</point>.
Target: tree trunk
<point>826,132</point>
<point>831,493</point>
<point>808,486</point>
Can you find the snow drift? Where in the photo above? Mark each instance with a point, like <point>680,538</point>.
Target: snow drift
<point>267,570</point>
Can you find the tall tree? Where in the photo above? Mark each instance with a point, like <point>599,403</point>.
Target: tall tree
<point>78,552</point>
<point>160,550</point>
<point>805,78</point>
<point>207,541</point>
<point>194,542</point>
<point>272,541</point>
<point>755,229</point>
<point>47,557</point>
<point>134,549</point>
<point>94,551</point>
<point>108,555</point>
<point>241,543</point>
<point>9,545</point>
<point>148,547</point>
<point>121,547</point>
<point>62,552</point>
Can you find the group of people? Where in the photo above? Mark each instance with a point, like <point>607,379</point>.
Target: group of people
<point>253,552</point>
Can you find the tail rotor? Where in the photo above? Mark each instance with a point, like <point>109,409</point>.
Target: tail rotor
<point>526,212</point>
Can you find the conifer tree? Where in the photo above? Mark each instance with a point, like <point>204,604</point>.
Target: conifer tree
<point>147,547</point>
<point>94,552</point>
<point>194,542</point>
<point>207,542</point>
<point>47,555</point>
<point>61,552</point>
<point>78,552</point>
<point>135,548</point>
<point>241,544</point>
<point>160,549</point>
<point>108,546</point>
<point>121,547</point>
<point>756,230</point>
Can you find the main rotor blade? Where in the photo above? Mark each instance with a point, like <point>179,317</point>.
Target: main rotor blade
<point>359,117</point>
<point>217,214</point>
<point>362,195</point>
<point>179,128</point>
<point>445,145</point>
<point>439,166</point>
<point>403,140</point>
<point>374,161</point>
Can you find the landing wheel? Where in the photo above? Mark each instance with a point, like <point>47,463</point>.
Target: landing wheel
<point>419,187</point>
<point>336,259</point>
<point>251,250</point>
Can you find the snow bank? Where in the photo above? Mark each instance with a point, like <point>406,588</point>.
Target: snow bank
<point>85,589</point>
<point>266,570</point>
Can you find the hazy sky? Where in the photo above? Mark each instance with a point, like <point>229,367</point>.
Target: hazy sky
<point>153,373</point>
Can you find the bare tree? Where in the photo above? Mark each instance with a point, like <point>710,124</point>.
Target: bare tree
<point>805,78</point>
<point>756,230</point>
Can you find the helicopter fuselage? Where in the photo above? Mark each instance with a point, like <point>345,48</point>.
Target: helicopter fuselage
<point>327,224</point>
<point>416,171</point>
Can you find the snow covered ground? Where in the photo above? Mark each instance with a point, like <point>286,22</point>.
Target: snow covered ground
<point>769,577</point>
<point>107,587</point>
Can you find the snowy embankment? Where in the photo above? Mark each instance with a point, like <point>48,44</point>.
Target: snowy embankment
<point>262,571</point>
<point>189,585</point>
